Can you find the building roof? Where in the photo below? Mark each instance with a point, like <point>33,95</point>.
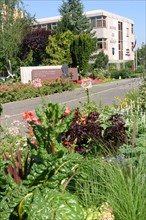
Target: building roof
<point>88,14</point>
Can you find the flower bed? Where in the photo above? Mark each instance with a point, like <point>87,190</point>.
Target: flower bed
<point>18,91</point>
<point>76,164</point>
<point>93,81</point>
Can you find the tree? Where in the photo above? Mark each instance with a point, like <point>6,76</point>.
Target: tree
<point>81,49</point>
<point>73,18</point>
<point>34,44</point>
<point>14,24</point>
<point>101,60</point>
<point>58,48</point>
<point>141,55</point>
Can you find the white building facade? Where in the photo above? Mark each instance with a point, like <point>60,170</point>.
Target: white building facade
<point>115,34</point>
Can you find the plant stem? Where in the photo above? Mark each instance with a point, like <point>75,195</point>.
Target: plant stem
<point>87,92</point>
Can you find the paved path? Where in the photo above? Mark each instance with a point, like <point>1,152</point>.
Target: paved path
<point>101,93</point>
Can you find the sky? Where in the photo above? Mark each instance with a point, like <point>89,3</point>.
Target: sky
<point>132,9</point>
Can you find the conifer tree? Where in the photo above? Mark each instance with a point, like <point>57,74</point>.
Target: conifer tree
<point>73,18</point>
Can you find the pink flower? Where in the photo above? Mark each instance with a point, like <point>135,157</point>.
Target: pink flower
<point>67,111</point>
<point>86,83</point>
<point>37,83</point>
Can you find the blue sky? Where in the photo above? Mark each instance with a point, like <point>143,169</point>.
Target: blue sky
<point>133,9</point>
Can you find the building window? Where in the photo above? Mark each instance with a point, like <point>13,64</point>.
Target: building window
<point>93,21</point>
<point>53,25</point>
<point>120,40</point>
<point>132,46</point>
<point>49,27</point>
<point>34,27</point>
<point>101,21</point>
<point>101,44</point>
<point>44,26</point>
<point>127,51</point>
<point>132,26</point>
<point>113,51</point>
<point>120,55</point>
<point>127,32</point>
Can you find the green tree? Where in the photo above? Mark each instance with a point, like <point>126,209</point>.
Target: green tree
<point>101,60</point>
<point>14,23</point>
<point>141,55</point>
<point>73,18</point>
<point>81,49</point>
<point>58,48</point>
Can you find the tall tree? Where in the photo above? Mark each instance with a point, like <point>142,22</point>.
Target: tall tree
<point>141,55</point>
<point>81,49</point>
<point>14,23</point>
<point>73,18</point>
<point>34,44</point>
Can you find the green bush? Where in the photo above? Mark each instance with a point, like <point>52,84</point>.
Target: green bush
<point>140,69</point>
<point>123,73</point>
<point>100,74</point>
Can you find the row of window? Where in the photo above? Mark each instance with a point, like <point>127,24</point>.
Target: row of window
<point>96,22</point>
<point>102,44</point>
<point>48,26</point>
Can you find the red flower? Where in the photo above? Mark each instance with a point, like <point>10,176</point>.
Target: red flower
<point>84,121</point>
<point>28,116</point>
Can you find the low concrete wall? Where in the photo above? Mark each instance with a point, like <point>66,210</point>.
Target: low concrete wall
<point>46,72</point>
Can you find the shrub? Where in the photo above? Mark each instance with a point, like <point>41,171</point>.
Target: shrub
<point>140,69</point>
<point>87,134</point>
<point>100,74</point>
<point>123,73</point>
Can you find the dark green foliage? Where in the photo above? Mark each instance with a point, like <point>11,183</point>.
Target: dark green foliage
<point>129,64</point>
<point>123,73</point>
<point>81,49</point>
<point>73,18</point>
<point>101,60</point>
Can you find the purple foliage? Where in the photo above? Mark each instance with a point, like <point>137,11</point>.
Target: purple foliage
<point>84,133</point>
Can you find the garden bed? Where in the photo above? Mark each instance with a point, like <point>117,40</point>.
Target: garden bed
<point>76,164</point>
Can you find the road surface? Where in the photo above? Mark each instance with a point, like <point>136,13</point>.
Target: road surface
<point>100,93</point>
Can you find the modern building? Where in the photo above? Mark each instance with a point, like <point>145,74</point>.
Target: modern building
<point>115,33</point>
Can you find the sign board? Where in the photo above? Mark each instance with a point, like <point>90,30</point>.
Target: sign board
<point>53,73</point>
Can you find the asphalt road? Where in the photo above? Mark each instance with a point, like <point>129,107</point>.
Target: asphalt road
<point>100,93</point>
